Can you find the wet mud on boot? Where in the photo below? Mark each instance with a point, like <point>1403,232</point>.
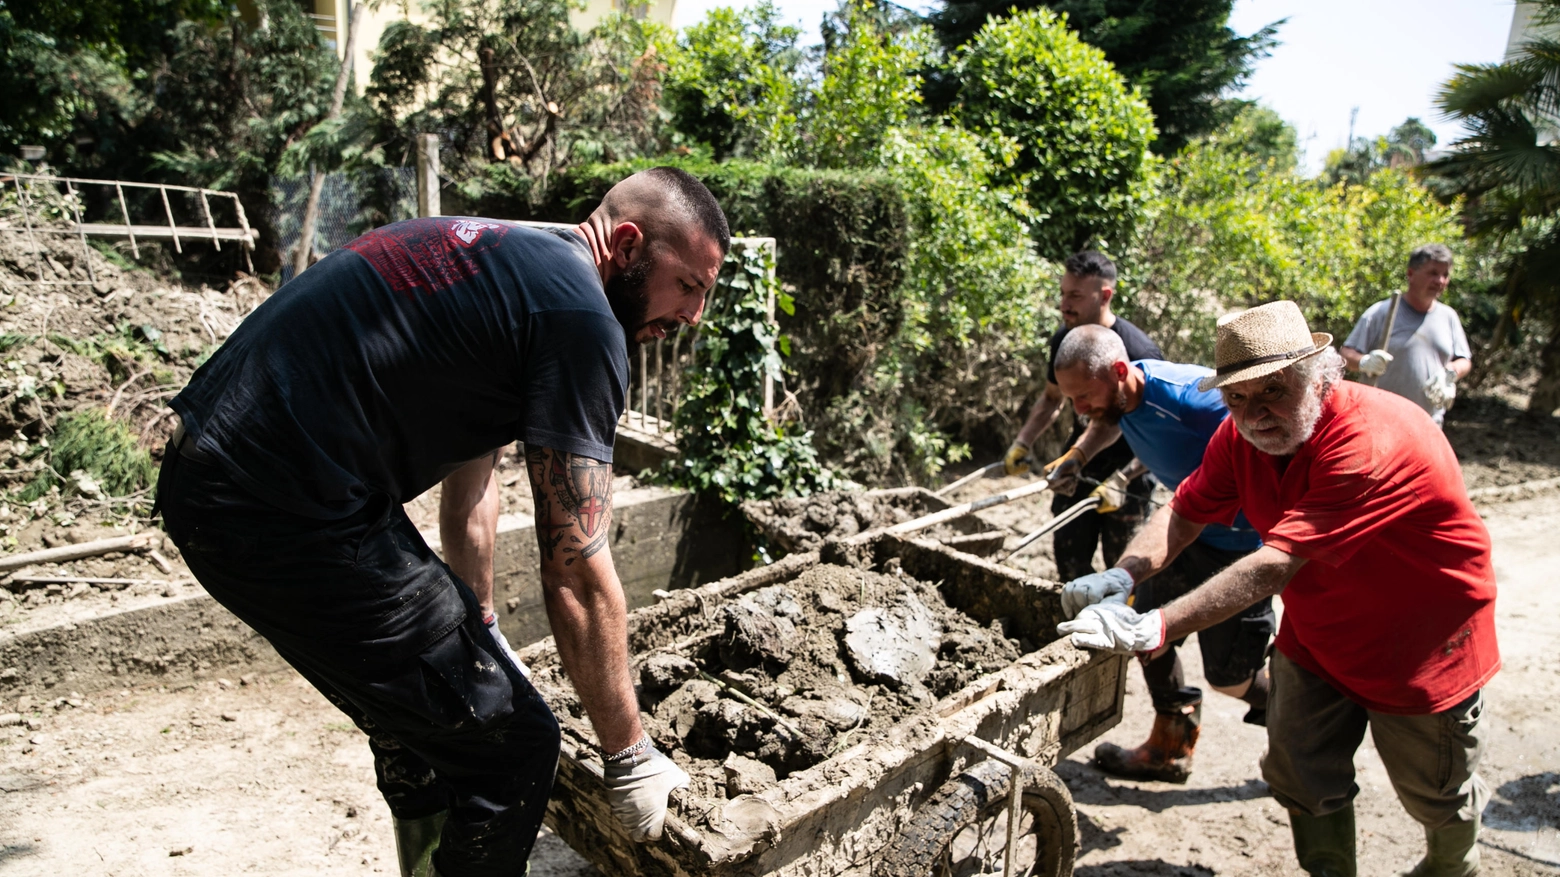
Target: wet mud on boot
<point>1167,754</point>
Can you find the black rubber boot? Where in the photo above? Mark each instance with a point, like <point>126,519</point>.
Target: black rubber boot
<point>1325,844</point>
<point>415,841</point>
<point>1452,851</point>
<point>1256,697</point>
<point>1167,754</point>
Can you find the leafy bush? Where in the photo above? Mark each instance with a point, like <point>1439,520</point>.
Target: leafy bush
<point>1225,231</point>
<point>733,83</point>
<point>516,93</point>
<point>1083,137</point>
<point>729,445</point>
<point>106,451</point>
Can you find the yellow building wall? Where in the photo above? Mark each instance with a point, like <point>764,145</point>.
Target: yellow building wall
<point>331,17</point>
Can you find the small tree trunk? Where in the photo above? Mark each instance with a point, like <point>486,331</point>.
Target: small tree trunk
<point>311,210</point>
<point>1546,393</point>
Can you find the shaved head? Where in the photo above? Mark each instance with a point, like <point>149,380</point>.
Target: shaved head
<point>1096,348</point>
<point>669,205</point>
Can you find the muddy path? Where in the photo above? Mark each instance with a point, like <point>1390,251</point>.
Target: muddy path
<point>267,777</point>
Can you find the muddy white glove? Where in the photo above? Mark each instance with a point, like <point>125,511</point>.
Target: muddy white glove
<point>637,789</point>
<point>1064,471</point>
<point>1374,363</point>
<point>1115,627</point>
<point>1441,389</point>
<point>1094,588</point>
<point>492,625</point>
<point>1017,461</point>
<point>1112,492</point>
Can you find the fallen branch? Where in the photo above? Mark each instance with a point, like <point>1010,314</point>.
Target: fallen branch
<point>75,580</point>
<point>138,542</point>
<point>732,690</point>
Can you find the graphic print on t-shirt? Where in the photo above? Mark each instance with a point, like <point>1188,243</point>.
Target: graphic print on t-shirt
<point>427,255</point>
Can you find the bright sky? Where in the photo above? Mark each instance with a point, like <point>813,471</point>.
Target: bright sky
<point>1387,57</point>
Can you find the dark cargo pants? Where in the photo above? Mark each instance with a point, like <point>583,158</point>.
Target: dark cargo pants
<point>365,611</point>
<point>1314,730</point>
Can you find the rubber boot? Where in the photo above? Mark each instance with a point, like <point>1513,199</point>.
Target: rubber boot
<point>1452,851</point>
<point>1167,754</point>
<point>1256,697</point>
<point>415,841</point>
<point>1325,844</point>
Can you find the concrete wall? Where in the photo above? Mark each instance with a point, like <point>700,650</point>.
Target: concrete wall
<point>660,539</point>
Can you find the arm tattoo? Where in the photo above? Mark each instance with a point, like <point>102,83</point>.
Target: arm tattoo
<point>573,502</point>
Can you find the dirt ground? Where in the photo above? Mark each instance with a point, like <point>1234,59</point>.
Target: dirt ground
<point>266,777</point>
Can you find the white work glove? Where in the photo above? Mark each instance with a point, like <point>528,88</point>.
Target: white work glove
<point>1017,461</point>
<point>1115,627</point>
<point>492,625</point>
<point>1112,492</point>
<point>1374,363</point>
<point>1095,588</point>
<point>1064,471</point>
<point>1441,389</point>
<point>637,789</point>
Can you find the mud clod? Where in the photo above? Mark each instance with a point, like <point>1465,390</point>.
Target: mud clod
<point>831,658</point>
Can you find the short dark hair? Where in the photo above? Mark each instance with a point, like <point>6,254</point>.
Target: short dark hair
<point>695,198</point>
<point>1091,263</point>
<point>1430,253</point>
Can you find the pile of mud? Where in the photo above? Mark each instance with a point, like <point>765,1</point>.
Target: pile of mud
<point>784,677</point>
<point>806,523</point>
<point>102,335</point>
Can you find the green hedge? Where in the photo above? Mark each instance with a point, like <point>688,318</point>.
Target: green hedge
<point>842,247</point>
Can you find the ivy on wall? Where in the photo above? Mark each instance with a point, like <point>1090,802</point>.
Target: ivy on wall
<point>730,445</point>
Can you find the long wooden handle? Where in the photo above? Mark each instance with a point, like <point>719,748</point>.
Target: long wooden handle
<point>1056,523</point>
<point>138,542</point>
<point>1386,337</point>
<point>978,474</point>
<point>960,511</point>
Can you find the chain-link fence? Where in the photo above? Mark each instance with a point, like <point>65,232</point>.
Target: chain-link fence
<point>350,204</point>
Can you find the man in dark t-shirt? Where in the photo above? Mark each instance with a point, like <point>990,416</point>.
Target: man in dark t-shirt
<point>1088,285</point>
<point>411,358</point>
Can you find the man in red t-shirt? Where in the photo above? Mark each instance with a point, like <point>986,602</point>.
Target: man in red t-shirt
<point>1385,571</point>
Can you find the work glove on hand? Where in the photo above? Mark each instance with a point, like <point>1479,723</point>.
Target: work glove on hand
<point>637,789</point>
<point>1064,471</point>
<point>1017,461</point>
<point>1374,363</point>
<point>1095,588</point>
<point>492,625</point>
<point>1441,389</point>
<point>1114,626</point>
<point>1112,492</point>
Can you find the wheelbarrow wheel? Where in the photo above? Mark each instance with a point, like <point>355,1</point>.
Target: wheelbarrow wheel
<point>962,829</point>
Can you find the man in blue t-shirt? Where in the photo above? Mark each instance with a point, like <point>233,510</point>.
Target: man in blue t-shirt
<point>412,357</point>
<point>1168,423</point>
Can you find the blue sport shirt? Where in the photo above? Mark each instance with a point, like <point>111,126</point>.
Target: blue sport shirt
<point>1171,428</point>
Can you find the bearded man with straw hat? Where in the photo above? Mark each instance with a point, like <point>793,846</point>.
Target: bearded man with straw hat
<point>1387,584</point>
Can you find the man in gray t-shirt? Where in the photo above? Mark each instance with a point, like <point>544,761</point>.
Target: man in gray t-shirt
<point>1428,352</point>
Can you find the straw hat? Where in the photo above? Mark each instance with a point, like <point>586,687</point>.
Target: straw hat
<point>1261,341</point>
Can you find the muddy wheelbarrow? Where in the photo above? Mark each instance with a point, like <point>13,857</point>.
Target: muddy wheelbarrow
<point>932,795</point>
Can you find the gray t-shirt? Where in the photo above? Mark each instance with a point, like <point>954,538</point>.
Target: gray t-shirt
<point>1422,345</point>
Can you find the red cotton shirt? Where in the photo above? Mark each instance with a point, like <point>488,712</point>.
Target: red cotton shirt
<point>1396,605</point>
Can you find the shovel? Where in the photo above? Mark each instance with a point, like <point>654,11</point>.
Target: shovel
<point>1056,523</point>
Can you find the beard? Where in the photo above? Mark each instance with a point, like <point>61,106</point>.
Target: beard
<point>1290,437</point>
<point>1116,410</point>
<point>628,298</point>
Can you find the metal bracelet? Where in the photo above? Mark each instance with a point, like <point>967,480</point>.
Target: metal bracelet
<point>630,752</point>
